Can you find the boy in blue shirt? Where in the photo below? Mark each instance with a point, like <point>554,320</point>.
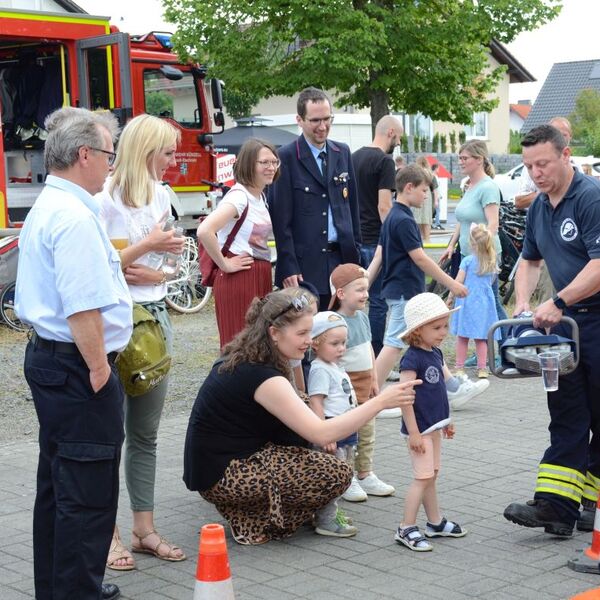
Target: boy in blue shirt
<point>404,264</point>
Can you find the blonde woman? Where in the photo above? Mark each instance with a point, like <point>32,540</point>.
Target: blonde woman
<point>134,206</point>
<point>480,204</point>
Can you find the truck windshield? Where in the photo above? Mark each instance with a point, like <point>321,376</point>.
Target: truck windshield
<point>177,100</point>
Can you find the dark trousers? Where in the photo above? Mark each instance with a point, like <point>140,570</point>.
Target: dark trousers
<point>75,509</point>
<point>574,414</point>
<point>377,305</point>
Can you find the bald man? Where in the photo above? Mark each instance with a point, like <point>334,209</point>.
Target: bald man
<point>375,171</point>
<point>527,189</point>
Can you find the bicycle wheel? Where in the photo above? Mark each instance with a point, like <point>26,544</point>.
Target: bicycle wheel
<point>186,294</point>
<point>7,309</point>
<point>507,291</point>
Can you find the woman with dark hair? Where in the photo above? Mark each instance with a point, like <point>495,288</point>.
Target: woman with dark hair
<point>246,445</point>
<point>245,270</point>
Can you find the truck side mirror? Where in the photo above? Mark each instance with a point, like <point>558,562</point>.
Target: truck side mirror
<point>171,73</point>
<point>216,92</point>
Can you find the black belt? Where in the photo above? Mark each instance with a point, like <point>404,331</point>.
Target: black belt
<point>54,346</point>
<point>333,246</point>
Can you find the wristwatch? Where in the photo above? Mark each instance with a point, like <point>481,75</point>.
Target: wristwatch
<point>559,302</point>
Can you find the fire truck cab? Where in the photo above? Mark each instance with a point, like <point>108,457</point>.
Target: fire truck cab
<point>49,60</point>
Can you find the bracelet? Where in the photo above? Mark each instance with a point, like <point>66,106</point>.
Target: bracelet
<point>163,280</point>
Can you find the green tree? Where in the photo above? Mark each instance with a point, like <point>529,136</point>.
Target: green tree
<point>239,103</point>
<point>159,103</point>
<point>404,143</point>
<point>453,142</point>
<point>514,144</point>
<point>462,137</point>
<point>423,143</point>
<point>435,143</point>
<point>585,121</point>
<point>428,57</point>
<point>443,143</point>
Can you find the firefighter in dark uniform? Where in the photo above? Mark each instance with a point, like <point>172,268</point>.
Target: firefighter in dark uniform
<point>314,203</point>
<point>563,229</point>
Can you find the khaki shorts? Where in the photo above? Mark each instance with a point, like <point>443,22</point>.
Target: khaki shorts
<point>426,465</point>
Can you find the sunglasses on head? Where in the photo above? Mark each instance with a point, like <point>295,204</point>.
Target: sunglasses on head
<point>297,303</point>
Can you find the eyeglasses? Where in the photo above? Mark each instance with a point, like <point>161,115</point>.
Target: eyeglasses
<point>325,120</point>
<point>112,156</point>
<point>269,163</point>
<point>464,158</point>
<point>298,303</point>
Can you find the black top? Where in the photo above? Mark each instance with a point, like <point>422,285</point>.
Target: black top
<point>566,237</point>
<point>374,171</point>
<point>401,277</point>
<point>227,423</point>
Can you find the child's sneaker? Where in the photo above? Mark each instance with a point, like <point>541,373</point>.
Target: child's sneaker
<point>483,373</point>
<point>445,528</point>
<point>354,493</point>
<point>413,539</point>
<point>373,486</point>
<point>338,527</point>
<point>460,373</point>
<point>468,389</point>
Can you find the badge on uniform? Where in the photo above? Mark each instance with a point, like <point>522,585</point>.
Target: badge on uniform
<point>345,193</point>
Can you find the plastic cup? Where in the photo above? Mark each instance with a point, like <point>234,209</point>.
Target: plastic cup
<point>550,363</point>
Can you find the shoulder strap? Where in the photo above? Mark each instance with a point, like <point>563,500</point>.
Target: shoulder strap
<point>235,230</point>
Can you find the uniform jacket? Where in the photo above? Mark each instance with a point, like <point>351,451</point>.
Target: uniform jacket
<point>298,203</point>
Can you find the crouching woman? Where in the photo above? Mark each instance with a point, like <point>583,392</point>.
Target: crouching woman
<point>246,445</point>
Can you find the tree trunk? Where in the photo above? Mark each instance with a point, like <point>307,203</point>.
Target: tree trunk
<point>379,107</point>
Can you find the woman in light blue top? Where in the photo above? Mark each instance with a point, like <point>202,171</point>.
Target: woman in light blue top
<point>480,204</point>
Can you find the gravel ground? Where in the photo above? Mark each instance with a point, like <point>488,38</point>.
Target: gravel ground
<point>196,345</point>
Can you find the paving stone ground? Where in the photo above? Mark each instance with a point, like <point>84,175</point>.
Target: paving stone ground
<point>491,462</point>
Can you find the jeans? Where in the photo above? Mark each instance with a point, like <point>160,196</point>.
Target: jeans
<point>377,305</point>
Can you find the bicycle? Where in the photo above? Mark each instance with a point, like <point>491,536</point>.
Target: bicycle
<point>7,309</point>
<point>186,294</point>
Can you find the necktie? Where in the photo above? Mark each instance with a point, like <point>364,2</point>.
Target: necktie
<point>323,157</point>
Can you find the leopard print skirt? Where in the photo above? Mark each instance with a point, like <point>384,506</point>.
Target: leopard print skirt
<point>269,495</point>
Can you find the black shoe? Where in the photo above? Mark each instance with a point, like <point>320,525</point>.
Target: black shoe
<point>585,522</point>
<point>538,513</point>
<point>110,591</point>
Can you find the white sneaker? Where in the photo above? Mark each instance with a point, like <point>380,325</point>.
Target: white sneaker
<point>468,389</point>
<point>393,376</point>
<point>373,486</point>
<point>354,493</point>
<point>389,413</point>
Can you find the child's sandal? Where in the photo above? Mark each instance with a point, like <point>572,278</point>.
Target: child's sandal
<point>445,529</point>
<point>413,539</point>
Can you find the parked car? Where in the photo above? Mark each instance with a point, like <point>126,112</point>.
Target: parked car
<point>510,182</point>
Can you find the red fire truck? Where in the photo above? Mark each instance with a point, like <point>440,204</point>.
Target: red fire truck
<point>49,60</point>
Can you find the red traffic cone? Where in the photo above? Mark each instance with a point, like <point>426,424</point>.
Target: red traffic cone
<point>213,575</point>
<point>589,561</point>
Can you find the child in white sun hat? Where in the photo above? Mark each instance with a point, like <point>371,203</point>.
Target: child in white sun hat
<point>426,317</point>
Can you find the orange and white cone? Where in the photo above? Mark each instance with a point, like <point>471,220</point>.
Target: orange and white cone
<point>589,561</point>
<point>213,575</point>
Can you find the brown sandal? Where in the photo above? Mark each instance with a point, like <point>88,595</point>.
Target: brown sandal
<point>141,549</point>
<point>117,552</point>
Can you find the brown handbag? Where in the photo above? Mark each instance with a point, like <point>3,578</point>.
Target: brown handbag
<point>208,267</point>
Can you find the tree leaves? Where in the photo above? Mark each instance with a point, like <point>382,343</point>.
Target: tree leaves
<point>404,55</point>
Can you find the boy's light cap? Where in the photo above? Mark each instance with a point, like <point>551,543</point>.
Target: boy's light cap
<point>422,309</point>
<point>326,320</point>
<point>340,277</point>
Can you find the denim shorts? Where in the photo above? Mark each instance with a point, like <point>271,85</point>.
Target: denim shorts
<point>395,324</point>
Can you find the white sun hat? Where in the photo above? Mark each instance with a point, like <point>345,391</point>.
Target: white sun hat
<point>422,309</point>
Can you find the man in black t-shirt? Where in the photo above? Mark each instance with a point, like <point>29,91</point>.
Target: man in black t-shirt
<point>375,173</point>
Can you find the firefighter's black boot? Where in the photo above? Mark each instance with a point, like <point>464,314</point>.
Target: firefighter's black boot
<point>538,513</point>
